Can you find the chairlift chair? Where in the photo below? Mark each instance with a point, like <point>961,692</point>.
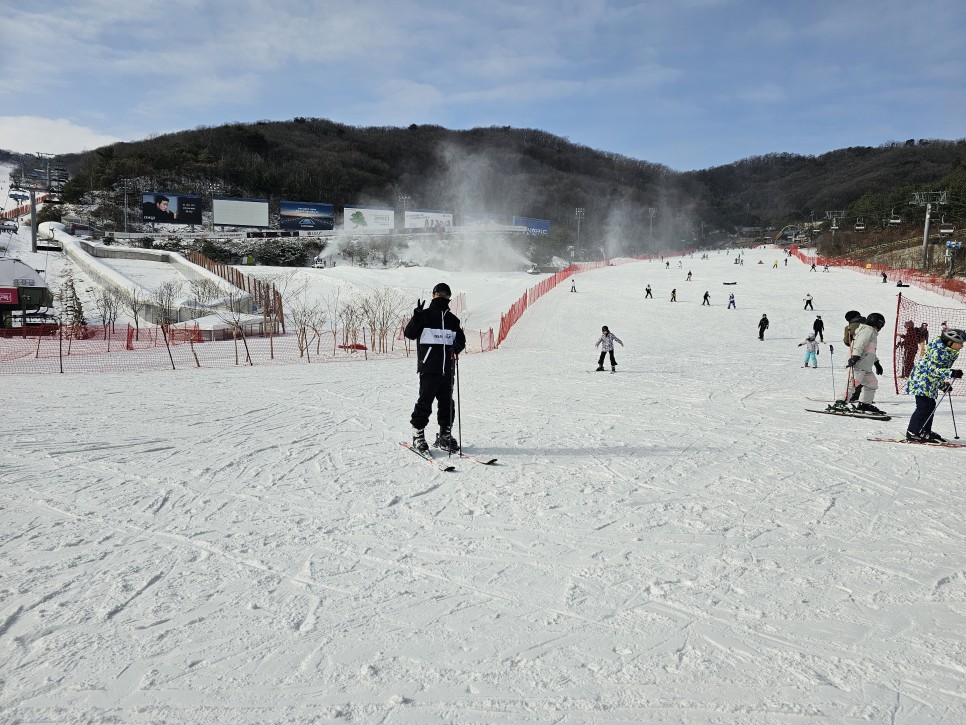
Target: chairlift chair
<point>859,225</point>
<point>835,224</point>
<point>946,229</point>
<point>894,219</point>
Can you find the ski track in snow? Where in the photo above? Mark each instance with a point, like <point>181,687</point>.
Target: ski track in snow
<point>677,543</point>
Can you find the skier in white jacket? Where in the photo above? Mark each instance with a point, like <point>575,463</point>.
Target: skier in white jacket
<point>606,345</point>
<point>864,365</point>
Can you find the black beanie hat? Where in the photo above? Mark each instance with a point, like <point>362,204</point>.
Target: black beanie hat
<point>442,289</point>
<point>851,315</point>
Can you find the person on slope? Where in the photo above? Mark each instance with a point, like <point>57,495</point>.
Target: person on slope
<point>762,326</point>
<point>808,302</point>
<point>706,300</point>
<point>647,292</point>
<point>731,302</point>
<point>606,345</point>
<point>818,327</point>
<point>928,378</point>
<point>853,318</point>
<point>811,349</point>
<point>440,340</point>
<point>864,364</point>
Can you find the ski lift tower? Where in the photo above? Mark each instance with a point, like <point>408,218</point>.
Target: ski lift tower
<point>927,199</point>
<point>47,180</point>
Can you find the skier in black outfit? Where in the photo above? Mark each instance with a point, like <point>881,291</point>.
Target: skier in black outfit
<point>440,339</point>
<point>762,326</point>
<point>818,327</point>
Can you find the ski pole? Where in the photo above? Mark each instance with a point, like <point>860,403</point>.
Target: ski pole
<point>953,413</point>
<point>831,364</point>
<point>459,419</point>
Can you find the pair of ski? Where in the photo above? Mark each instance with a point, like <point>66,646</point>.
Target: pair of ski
<point>854,414</point>
<point>441,464</point>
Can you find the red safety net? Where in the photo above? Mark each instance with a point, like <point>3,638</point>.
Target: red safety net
<point>915,326</point>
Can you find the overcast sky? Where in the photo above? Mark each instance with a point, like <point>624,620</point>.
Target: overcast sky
<point>686,83</point>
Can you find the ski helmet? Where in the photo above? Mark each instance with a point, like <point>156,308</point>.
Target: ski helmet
<point>875,320</point>
<point>604,329</point>
<point>442,290</point>
<point>811,336</point>
<point>952,334</point>
<point>852,315</point>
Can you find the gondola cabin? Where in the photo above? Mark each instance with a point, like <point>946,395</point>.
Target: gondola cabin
<point>23,292</point>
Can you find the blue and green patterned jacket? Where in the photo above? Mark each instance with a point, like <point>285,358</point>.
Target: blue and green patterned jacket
<point>932,369</point>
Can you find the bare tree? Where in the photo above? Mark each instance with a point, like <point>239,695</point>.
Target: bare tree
<point>234,316</point>
<point>133,301</point>
<point>165,310</point>
<point>108,303</point>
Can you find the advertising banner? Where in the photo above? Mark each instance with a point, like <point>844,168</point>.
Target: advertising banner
<point>8,296</point>
<point>239,212</point>
<point>428,220</point>
<point>368,219</point>
<point>171,208</point>
<point>484,219</point>
<point>535,227</point>
<point>306,215</point>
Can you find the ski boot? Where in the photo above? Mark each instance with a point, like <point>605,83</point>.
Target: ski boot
<point>931,437</point>
<point>914,437</point>
<point>868,409</point>
<point>600,368</point>
<point>839,406</point>
<point>446,441</point>
<point>613,368</point>
<point>419,440</point>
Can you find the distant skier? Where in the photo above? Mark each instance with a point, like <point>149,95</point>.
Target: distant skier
<point>813,268</point>
<point>818,327</point>
<point>808,302</point>
<point>731,302</point>
<point>440,340</point>
<point>689,275</point>
<point>885,278</point>
<point>573,286</point>
<point>606,344</point>
<point>762,326</point>
<point>864,364</point>
<point>923,331</point>
<point>647,292</point>
<point>928,379</point>
<point>707,299</point>
<point>674,295</point>
<point>826,267</point>
<point>811,350</point>
<point>667,265</point>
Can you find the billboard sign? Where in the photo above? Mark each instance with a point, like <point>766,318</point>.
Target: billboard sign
<point>535,227</point>
<point>484,219</point>
<point>8,296</point>
<point>428,220</point>
<point>368,219</point>
<point>306,215</point>
<point>239,212</point>
<point>171,208</point>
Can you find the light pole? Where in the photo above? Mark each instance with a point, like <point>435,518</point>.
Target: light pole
<point>579,213</point>
<point>404,200</point>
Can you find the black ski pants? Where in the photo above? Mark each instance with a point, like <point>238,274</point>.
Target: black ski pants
<point>603,354</point>
<point>434,387</point>
<point>921,420</point>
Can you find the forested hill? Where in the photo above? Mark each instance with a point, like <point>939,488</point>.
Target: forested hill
<point>520,171</point>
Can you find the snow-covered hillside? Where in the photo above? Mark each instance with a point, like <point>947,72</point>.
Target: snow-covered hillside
<point>679,542</point>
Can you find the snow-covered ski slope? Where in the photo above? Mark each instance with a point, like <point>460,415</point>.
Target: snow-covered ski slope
<point>677,543</point>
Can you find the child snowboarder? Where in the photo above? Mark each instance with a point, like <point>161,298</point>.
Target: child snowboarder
<point>864,366</point>
<point>762,326</point>
<point>811,349</point>
<point>606,344</point>
<point>928,378</point>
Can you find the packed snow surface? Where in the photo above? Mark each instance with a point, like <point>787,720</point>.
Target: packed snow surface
<point>677,543</point>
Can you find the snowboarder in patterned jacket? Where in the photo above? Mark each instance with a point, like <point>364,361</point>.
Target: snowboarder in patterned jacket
<point>928,378</point>
<point>606,345</point>
<point>440,340</point>
<point>811,349</point>
<point>864,365</point>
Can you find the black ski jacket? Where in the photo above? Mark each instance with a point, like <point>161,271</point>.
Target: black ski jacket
<point>438,333</point>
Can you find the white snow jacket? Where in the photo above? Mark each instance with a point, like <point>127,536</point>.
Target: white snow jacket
<point>810,345</point>
<point>608,341</point>
<point>864,344</point>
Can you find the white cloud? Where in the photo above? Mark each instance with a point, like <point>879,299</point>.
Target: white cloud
<point>32,134</point>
